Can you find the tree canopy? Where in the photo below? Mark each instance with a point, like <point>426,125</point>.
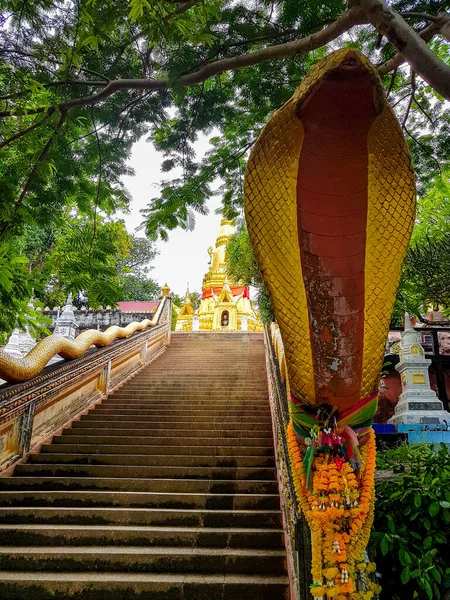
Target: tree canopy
<point>425,280</point>
<point>82,80</point>
<point>242,266</point>
<point>98,261</point>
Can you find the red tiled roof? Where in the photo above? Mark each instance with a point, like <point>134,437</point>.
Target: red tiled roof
<point>137,306</point>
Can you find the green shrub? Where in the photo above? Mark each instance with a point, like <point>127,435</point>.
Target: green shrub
<point>412,523</point>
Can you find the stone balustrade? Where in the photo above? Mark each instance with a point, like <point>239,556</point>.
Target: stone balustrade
<point>99,319</point>
<point>33,411</point>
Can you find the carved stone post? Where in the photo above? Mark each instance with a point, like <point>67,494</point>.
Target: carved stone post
<point>26,429</point>
<point>143,353</point>
<point>104,379</point>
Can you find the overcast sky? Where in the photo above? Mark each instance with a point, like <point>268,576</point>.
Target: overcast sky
<point>184,258</point>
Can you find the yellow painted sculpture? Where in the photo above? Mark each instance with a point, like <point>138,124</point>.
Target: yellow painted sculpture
<point>16,370</point>
<point>330,204</point>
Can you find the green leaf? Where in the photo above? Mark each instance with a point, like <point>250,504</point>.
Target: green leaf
<point>404,557</point>
<point>427,588</point>
<point>428,542</point>
<point>391,524</point>
<point>91,40</point>
<point>436,575</point>
<point>417,501</point>
<point>384,545</point>
<point>406,575</point>
<point>436,591</point>
<point>444,504</point>
<point>434,508</point>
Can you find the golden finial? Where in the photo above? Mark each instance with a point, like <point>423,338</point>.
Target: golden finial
<point>165,290</point>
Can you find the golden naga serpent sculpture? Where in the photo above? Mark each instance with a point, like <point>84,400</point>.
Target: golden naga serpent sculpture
<point>330,204</point>
<point>17,370</point>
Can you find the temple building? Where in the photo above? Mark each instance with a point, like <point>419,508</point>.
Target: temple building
<point>225,304</point>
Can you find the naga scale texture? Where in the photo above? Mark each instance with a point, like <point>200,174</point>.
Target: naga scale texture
<point>16,370</point>
<point>330,204</point>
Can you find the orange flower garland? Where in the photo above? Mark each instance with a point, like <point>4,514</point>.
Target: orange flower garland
<point>339,512</point>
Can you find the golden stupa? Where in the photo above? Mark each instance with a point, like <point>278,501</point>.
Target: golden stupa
<point>225,304</point>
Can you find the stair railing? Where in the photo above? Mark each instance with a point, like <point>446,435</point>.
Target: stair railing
<point>34,410</point>
<point>296,531</point>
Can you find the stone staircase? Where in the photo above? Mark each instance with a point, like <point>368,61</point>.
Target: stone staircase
<point>165,490</point>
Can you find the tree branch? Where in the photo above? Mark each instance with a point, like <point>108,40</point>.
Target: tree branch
<point>413,91</point>
<point>349,19</point>
<point>184,6</point>
<point>422,110</point>
<point>427,34</point>
<point>57,84</point>
<point>99,182</point>
<point>391,85</point>
<point>419,15</point>
<point>409,44</point>
<point>25,131</point>
<point>435,160</point>
<point>51,61</point>
<point>43,153</point>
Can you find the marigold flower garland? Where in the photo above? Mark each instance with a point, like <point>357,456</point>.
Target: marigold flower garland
<point>339,510</point>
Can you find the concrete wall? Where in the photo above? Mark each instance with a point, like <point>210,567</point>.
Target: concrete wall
<point>102,319</point>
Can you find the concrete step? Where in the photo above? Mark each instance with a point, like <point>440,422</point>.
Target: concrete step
<point>145,586</point>
<point>83,429</point>
<point>175,407</point>
<point>144,472</point>
<point>75,436</point>
<point>164,435</point>
<point>139,499</point>
<point>143,559</point>
<point>186,394</point>
<point>125,409</point>
<point>151,460</point>
<point>141,516</point>
<point>193,371</point>
<point>166,490</point>
<point>194,362</point>
<point>172,450</point>
<point>173,424</point>
<point>205,421</point>
<point>140,535</point>
<point>201,486</point>
<point>174,403</point>
<point>229,388</point>
<point>202,381</point>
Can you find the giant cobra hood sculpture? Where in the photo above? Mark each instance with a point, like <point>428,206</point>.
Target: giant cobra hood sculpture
<point>329,200</point>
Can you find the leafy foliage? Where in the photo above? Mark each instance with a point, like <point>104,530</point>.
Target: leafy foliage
<point>134,270</point>
<point>75,97</point>
<point>85,258</point>
<point>96,259</point>
<point>15,293</point>
<point>412,523</point>
<point>135,288</point>
<point>196,298</point>
<point>242,266</point>
<point>426,273</point>
<point>137,261</point>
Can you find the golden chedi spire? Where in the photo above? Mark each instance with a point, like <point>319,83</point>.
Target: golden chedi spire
<point>225,304</point>
<point>185,314</point>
